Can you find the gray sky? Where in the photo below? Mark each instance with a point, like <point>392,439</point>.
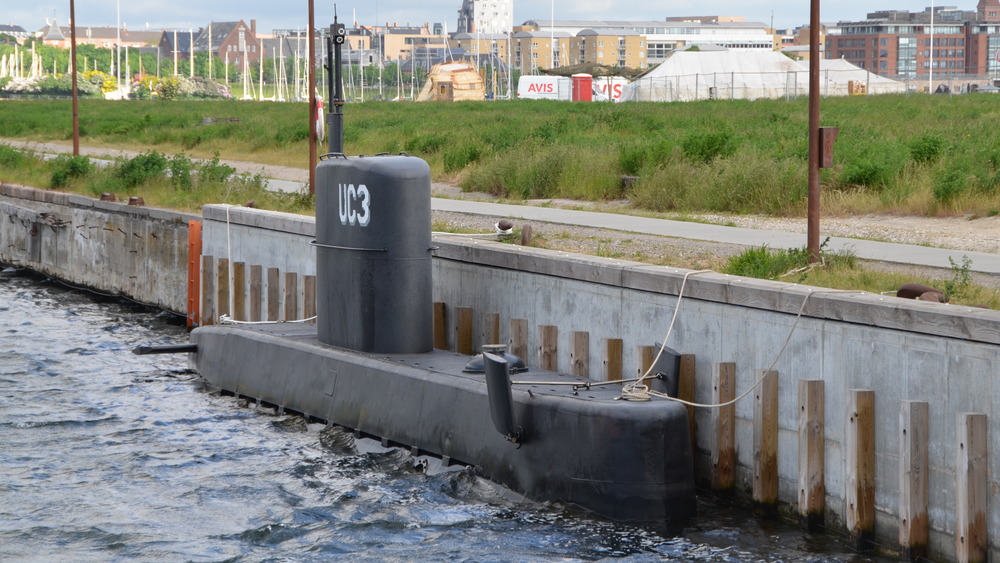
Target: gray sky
<point>31,14</point>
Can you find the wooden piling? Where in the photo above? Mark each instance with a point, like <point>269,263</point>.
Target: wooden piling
<point>613,348</point>
<point>273,294</point>
<point>548,347</point>
<point>724,449</point>
<point>971,489</point>
<point>812,492</point>
<point>646,356</point>
<point>579,354</point>
<point>914,477</point>
<point>208,290</point>
<point>463,330</point>
<point>309,297</point>
<point>256,292</point>
<point>765,440</point>
<point>859,443</point>
<point>239,291</point>
<point>491,329</point>
<point>518,344</point>
<point>291,296</point>
<point>222,285</point>
<point>440,326</point>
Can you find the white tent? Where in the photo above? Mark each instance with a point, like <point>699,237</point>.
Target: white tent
<point>838,74</point>
<point>699,75</point>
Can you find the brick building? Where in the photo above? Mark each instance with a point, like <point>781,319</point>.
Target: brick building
<point>945,41</point>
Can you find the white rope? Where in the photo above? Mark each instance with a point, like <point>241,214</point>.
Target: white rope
<point>638,391</point>
<point>227,319</point>
<point>644,393</point>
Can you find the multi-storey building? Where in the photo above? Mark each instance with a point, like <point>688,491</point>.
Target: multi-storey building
<point>486,16</point>
<point>665,37</point>
<point>944,40</point>
<point>611,47</point>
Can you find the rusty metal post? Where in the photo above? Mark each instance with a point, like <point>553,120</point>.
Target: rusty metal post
<point>76,97</point>
<point>812,236</point>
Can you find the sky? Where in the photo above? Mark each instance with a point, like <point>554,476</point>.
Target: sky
<point>270,14</point>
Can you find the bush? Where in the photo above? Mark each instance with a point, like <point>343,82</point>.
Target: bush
<point>457,158</point>
<point>180,171</point>
<point>867,172</point>
<point>705,147</point>
<point>139,170</point>
<point>66,168</point>
<point>11,158</point>
<point>926,148</point>
<point>950,184</point>
<point>212,172</point>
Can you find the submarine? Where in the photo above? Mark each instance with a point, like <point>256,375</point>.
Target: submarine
<point>368,363</point>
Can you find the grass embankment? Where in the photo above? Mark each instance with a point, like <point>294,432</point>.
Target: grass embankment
<point>913,155</point>
<point>925,155</point>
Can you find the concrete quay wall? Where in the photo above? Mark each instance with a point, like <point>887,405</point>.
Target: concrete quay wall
<point>136,252</point>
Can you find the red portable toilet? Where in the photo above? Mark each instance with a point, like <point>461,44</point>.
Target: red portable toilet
<point>583,88</point>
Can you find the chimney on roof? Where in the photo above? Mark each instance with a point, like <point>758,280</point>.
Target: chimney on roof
<point>253,27</point>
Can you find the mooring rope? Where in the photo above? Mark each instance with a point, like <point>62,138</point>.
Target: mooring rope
<point>639,392</point>
<point>227,319</point>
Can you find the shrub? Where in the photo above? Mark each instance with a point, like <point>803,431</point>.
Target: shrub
<point>867,172</point>
<point>766,264</point>
<point>140,169</point>
<point>66,167</point>
<point>950,184</point>
<point>180,171</point>
<point>704,147</point>
<point>11,158</point>
<point>926,148</point>
<point>212,171</point>
<point>457,158</point>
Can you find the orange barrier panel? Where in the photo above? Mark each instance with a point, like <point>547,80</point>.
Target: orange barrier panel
<point>194,274</point>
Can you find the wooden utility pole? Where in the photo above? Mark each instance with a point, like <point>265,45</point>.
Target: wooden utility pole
<point>312,101</point>
<point>76,98</point>
<point>812,236</point>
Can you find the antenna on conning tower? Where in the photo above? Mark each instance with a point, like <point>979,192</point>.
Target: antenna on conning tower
<point>335,85</point>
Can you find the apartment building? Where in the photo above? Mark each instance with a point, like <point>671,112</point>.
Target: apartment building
<point>486,16</point>
<point>944,40</point>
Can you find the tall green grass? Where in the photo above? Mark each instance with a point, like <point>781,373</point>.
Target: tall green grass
<point>933,155</point>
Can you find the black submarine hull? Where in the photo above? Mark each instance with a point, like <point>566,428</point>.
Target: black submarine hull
<point>623,460</point>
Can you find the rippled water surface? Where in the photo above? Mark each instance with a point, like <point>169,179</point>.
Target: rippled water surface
<point>109,456</point>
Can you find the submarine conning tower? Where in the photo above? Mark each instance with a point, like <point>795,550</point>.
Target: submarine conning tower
<point>373,253</point>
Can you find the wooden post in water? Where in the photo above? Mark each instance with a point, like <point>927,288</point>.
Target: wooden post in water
<point>239,291</point>
<point>291,296</point>
<point>309,297</point>
<point>463,330</point>
<point>724,448</point>
<point>613,348</point>
<point>765,440</point>
<point>440,326</point>
<point>222,285</point>
<point>859,443</point>
<point>914,476</point>
<point>273,294</point>
<point>207,290</point>
<point>518,344</point>
<point>491,328</point>
<point>971,489</point>
<point>812,492</point>
<point>579,354</point>
<point>256,292</point>
<point>548,347</point>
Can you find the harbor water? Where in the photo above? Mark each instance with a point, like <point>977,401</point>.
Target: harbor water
<point>106,456</point>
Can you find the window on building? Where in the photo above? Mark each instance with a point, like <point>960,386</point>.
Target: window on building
<point>883,42</point>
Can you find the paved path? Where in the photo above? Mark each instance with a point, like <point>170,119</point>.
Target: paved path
<point>292,180</point>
